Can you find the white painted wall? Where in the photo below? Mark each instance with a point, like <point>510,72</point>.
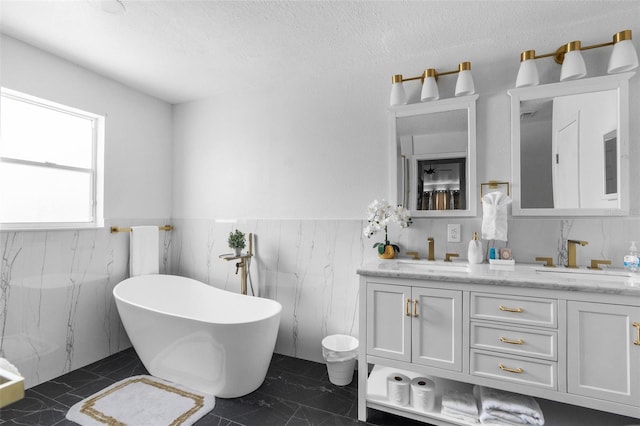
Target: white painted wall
<point>138,127</point>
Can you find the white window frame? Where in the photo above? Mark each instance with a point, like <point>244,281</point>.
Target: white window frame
<point>96,172</point>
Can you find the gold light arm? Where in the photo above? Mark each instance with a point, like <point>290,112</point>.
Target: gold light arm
<point>431,72</point>
<point>559,53</point>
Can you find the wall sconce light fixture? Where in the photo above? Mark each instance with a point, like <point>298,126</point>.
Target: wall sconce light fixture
<point>623,58</point>
<point>464,85</point>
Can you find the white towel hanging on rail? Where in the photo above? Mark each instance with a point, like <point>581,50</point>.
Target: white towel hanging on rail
<point>144,255</point>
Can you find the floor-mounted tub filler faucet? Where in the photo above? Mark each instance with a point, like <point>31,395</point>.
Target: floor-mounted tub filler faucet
<point>242,265</point>
<point>571,252</point>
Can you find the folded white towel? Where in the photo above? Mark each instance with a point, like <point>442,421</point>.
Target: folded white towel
<point>458,415</point>
<point>494,216</point>
<point>509,408</point>
<point>461,402</point>
<point>7,366</point>
<point>144,255</point>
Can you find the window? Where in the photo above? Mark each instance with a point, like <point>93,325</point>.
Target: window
<point>51,160</point>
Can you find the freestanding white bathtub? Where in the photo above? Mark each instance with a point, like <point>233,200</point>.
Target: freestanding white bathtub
<point>197,335</point>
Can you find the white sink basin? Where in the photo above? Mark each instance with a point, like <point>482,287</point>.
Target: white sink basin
<point>563,272</point>
<point>432,266</point>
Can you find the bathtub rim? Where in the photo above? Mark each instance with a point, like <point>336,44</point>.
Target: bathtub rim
<point>277,312</point>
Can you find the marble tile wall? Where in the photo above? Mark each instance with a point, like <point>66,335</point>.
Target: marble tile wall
<point>309,265</point>
<point>57,311</point>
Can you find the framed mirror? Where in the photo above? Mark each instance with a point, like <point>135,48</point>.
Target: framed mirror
<point>433,157</point>
<point>570,146</point>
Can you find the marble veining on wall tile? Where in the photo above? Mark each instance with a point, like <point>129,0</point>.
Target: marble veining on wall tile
<point>306,265</point>
<point>57,311</point>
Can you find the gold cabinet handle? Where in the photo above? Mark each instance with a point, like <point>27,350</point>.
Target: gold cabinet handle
<point>637,326</point>
<point>508,309</point>
<point>511,342</point>
<point>406,307</point>
<point>415,307</point>
<point>510,370</point>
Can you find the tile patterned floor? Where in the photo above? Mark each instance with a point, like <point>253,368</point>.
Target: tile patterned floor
<point>295,393</point>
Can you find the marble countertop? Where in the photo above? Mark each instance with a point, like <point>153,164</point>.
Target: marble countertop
<point>610,281</point>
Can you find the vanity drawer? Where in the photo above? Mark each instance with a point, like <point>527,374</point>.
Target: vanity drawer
<point>539,343</point>
<point>525,371</point>
<point>515,309</point>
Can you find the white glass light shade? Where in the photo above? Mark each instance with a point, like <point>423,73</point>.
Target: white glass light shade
<point>464,85</point>
<point>398,95</point>
<point>430,90</point>
<point>527,74</point>
<point>623,58</point>
<point>573,66</point>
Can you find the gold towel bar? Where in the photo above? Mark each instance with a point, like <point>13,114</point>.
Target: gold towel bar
<point>118,229</point>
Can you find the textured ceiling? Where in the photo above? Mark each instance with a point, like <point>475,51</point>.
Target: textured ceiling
<point>184,50</point>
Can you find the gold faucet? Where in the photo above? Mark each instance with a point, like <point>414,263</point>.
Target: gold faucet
<point>414,255</point>
<point>548,261</point>
<point>595,263</point>
<point>448,256</point>
<point>431,255</point>
<point>571,249</point>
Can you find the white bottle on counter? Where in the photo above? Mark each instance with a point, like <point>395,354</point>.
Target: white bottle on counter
<point>631,259</point>
<point>474,254</point>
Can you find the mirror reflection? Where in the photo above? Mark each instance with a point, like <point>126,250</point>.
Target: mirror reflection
<point>435,157</point>
<point>569,147</point>
<point>568,151</point>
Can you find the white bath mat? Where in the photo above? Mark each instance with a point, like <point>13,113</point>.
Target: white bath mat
<point>142,401</point>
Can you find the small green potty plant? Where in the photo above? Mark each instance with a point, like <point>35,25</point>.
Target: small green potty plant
<point>236,241</point>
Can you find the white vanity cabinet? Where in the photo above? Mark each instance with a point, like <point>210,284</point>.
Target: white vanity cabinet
<point>413,324</point>
<point>603,345</point>
<point>567,344</point>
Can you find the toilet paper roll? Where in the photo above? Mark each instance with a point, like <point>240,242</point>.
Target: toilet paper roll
<point>399,388</point>
<point>423,394</point>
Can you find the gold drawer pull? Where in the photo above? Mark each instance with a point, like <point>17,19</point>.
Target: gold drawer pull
<point>637,326</point>
<point>415,307</point>
<point>406,305</point>
<point>510,370</point>
<point>512,342</point>
<point>507,309</point>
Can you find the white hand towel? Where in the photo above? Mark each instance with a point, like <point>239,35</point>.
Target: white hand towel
<point>144,256</point>
<point>494,216</point>
<point>508,407</point>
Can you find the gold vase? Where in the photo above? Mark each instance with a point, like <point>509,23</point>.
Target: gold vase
<point>389,252</point>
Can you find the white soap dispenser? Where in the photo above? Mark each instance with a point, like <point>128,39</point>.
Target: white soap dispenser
<point>474,254</point>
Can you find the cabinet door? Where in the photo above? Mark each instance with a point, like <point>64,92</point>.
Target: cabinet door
<point>437,328</point>
<point>389,321</point>
<point>603,361</point>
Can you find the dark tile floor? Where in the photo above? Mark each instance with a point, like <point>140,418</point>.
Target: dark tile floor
<point>295,393</point>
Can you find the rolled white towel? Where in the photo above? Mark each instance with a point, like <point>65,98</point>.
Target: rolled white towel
<point>507,406</point>
<point>6,365</point>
